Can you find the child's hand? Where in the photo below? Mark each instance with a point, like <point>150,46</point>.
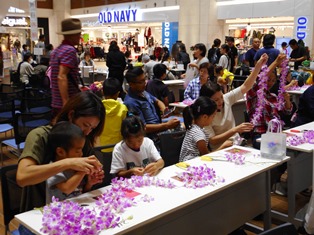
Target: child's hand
<point>95,178</point>
<point>138,171</point>
<point>151,169</point>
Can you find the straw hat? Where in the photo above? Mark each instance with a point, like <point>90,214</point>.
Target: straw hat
<point>70,26</point>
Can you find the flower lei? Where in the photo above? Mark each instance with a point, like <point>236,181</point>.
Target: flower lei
<point>307,137</point>
<point>258,115</point>
<point>68,217</point>
<point>236,158</point>
<point>199,177</point>
<point>284,72</point>
<point>260,105</point>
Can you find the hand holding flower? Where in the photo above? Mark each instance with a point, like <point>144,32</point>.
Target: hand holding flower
<point>138,171</point>
<point>262,61</point>
<point>280,58</point>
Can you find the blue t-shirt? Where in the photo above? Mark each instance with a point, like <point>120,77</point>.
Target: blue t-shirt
<point>143,105</point>
<point>249,56</point>
<point>270,51</point>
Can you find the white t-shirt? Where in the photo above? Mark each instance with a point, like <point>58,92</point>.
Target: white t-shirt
<point>224,120</point>
<point>124,158</point>
<point>225,62</point>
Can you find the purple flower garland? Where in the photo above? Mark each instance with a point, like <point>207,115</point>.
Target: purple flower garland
<point>284,72</point>
<point>263,78</point>
<point>260,104</point>
<point>307,137</point>
<point>67,217</point>
<point>237,158</point>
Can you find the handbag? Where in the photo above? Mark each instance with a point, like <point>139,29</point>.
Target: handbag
<point>273,142</point>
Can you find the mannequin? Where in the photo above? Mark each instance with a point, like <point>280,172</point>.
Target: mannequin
<point>147,34</point>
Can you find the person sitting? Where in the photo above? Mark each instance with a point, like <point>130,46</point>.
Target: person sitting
<point>149,64</point>
<point>200,114</point>
<point>86,111</point>
<point>115,113</point>
<point>305,113</point>
<point>192,91</point>
<point>67,144</point>
<point>135,154</point>
<point>25,69</point>
<point>87,61</point>
<point>223,127</point>
<point>145,104</point>
<point>270,110</point>
<point>42,67</point>
<point>156,87</point>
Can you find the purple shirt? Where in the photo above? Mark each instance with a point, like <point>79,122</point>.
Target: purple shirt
<point>65,55</point>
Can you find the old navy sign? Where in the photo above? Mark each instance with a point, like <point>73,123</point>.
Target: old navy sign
<point>169,33</point>
<point>301,27</point>
<point>117,16</point>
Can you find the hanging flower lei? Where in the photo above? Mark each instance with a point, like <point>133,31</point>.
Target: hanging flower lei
<point>284,72</point>
<point>263,78</point>
<point>258,115</point>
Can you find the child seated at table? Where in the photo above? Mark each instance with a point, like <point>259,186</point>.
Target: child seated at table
<point>200,114</point>
<point>135,154</point>
<point>67,140</point>
<point>156,87</point>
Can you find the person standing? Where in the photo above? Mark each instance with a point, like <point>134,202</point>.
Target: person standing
<point>116,64</point>
<point>268,48</point>
<point>40,45</point>
<point>233,53</point>
<point>249,55</point>
<point>64,65</point>
<point>298,53</point>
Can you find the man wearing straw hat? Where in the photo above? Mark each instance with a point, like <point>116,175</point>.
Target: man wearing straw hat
<point>64,65</point>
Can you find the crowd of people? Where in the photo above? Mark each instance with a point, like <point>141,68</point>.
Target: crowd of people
<point>62,163</point>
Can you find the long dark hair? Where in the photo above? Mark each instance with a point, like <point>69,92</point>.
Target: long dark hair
<point>203,105</point>
<point>84,104</point>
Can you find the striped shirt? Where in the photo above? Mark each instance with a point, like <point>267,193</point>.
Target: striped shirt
<point>189,148</point>
<point>64,55</point>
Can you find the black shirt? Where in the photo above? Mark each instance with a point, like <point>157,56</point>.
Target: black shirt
<point>298,53</point>
<point>157,88</point>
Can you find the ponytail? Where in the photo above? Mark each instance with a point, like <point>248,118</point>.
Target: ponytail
<point>187,117</point>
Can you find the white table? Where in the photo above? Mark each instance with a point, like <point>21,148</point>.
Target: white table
<point>300,172</point>
<point>175,86</point>
<point>300,169</point>
<point>180,105</point>
<point>297,93</point>
<point>213,209</point>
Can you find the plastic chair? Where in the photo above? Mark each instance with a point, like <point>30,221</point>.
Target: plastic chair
<point>36,101</point>
<point>11,195</point>
<point>105,158</point>
<point>283,229</point>
<point>170,146</point>
<point>23,123</point>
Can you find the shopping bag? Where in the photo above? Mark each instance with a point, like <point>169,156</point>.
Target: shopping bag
<point>273,142</point>
<point>189,75</point>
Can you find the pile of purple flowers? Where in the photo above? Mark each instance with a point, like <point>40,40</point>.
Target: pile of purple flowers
<point>237,158</point>
<point>307,137</point>
<point>199,177</point>
<point>68,217</point>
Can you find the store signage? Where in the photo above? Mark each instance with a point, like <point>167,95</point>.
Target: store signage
<point>301,27</point>
<point>14,21</point>
<point>169,34</point>
<point>117,16</point>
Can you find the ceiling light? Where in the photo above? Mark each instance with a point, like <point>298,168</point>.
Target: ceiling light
<point>170,8</point>
<point>238,2</point>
